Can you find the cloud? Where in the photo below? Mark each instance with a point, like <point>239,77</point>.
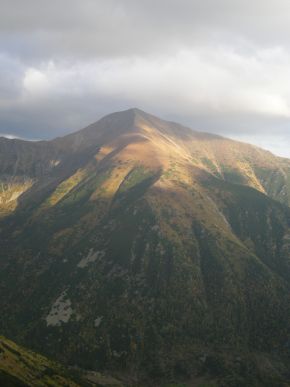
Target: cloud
<point>216,66</point>
<point>116,28</point>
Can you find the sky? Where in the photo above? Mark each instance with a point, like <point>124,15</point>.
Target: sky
<point>217,66</point>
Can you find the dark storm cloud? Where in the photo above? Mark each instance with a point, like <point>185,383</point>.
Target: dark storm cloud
<point>220,66</point>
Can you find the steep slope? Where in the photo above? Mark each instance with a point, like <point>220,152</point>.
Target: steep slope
<point>142,245</point>
<point>20,367</point>
<point>25,164</point>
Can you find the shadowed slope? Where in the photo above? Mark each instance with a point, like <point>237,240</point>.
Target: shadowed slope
<point>148,245</point>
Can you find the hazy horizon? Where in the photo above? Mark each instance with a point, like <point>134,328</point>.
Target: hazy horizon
<point>216,67</point>
<point>248,140</point>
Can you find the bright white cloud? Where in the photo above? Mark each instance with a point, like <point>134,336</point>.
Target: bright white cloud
<point>35,81</point>
<point>216,66</point>
<point>206,80</point>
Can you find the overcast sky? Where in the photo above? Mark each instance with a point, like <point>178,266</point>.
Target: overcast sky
<point>221,66</point>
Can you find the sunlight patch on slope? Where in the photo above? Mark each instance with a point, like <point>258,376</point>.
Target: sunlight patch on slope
<point>10,193</point>
<point>64,188</point>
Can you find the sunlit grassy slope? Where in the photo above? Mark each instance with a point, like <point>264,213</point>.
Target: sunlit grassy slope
<point>20,367</point>
<point>146,247</point>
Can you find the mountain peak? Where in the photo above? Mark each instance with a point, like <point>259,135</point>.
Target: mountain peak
<point>138,216</point>
<point>136,111</point>
<point>129,115</point>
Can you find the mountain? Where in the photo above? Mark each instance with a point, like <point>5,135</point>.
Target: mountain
<point>20,367</point>
<point>137,245</point>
